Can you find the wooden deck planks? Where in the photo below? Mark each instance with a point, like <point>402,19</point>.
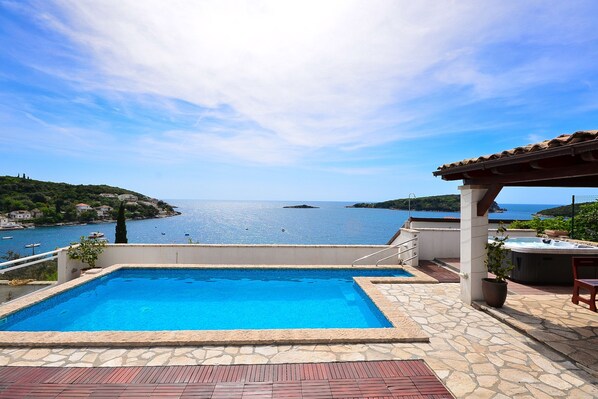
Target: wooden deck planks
<point>380,379</point>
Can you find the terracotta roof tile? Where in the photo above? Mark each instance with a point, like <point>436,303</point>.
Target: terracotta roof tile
<point>560,141</point>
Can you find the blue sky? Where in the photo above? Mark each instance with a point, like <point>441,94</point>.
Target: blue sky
<point>303,100</point>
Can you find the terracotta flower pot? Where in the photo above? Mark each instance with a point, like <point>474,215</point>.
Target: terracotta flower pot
<point>495,292</point>
<point>556,233</point>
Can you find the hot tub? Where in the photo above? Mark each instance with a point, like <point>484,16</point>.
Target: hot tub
<point>546,260</point>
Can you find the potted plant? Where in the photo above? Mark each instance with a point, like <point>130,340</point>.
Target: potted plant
<point>495,289</point>
<point>87,250</point>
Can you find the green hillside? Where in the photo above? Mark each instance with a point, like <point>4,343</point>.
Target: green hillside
<point>56,201</point>
<point>564,210</point>
<point>438,203</point>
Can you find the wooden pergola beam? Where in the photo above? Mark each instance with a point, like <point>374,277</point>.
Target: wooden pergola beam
<point>485,203</point>
<point>586,169</point>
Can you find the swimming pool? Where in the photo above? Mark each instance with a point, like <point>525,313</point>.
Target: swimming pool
<point>141,299</point>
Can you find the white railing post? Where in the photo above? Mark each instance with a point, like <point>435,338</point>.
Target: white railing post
<point>64,272</point>
<point>413,251</point>
<point>408,253</point>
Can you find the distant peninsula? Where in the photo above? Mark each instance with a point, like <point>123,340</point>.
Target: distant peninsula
<point>26,202</point>
<point>437,203</point>
<point>564,210</point>
<point>304,206</point>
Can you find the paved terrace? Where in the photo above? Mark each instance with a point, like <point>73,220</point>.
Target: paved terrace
<point>473,353</point>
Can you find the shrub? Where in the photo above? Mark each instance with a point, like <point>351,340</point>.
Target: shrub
<point>87,250</point>
<point>586,222</point>
<point>496,256</point>
<point>556,223</point>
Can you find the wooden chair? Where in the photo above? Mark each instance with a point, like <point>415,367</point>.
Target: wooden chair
<point>589,284</point>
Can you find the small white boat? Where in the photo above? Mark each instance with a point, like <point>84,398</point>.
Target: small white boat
<point>7,238</point>
<point>32,245</point>
<point>96,234</point>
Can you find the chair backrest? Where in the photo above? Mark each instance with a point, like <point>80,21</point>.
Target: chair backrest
<point>579,262</point>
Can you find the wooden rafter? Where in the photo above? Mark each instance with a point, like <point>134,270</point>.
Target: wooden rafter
<point>486,202</point>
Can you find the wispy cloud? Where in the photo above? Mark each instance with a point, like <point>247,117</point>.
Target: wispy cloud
<point>273,81</point>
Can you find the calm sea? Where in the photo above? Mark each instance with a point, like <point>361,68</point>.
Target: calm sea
<point>248,222</point>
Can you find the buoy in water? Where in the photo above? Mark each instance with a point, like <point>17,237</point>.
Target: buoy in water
<point>283,230</point>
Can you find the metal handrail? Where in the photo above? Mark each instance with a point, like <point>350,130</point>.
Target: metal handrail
<point>399,253</point>
<point>383,250</point>
<point>28,261</point>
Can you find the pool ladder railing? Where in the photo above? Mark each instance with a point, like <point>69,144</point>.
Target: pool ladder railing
<point>401,249</point>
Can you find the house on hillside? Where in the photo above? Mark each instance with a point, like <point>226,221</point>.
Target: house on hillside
<point>36,213</point>
<point>6,223</point>
<point>108,195</point>
<point>128,197</point>
<point>20,215</point>
<point>83,207</point>
<point>104,211</point>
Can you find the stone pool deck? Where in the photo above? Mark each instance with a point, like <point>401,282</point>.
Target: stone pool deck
<point>473,353</point>
<point>555,321</point>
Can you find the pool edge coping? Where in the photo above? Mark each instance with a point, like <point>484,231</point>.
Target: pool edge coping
<point>403,329</point>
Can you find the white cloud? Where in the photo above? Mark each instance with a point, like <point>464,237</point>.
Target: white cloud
<point>252,146</point>
<point>306,74</point>
<point>358,171</point>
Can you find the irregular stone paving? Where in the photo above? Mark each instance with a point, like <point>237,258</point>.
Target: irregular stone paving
<point>554,320</point>
<point>475,355</point>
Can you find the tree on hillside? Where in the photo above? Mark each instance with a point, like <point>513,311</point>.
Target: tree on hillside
<point>586,222</point>
<point>88,216</point>
<point>121,227</point>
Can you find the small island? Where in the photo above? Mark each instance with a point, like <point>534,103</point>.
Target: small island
<point>304,206</point>
<point>436,203</point>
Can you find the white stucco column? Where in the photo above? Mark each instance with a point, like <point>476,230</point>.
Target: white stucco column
<point>474,236</point>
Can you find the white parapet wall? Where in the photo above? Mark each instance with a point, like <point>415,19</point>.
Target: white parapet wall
<point>225,254</point>
<point>443,242</point>
<point>9,292</point>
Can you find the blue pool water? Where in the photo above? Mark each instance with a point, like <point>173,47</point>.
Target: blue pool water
<point>208,299</point>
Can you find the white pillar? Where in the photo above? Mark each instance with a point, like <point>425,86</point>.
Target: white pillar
<point>474,236</point>
<point>64,274</point>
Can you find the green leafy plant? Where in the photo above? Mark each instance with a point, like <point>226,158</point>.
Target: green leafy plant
<point>87,250</point>
<point>540,225</point>
<point>586,222</point>
<point>496,256</point>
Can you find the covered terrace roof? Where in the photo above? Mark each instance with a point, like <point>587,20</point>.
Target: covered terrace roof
<point>569,160</point>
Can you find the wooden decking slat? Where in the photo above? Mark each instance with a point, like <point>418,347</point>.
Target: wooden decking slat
<point>379,379</point>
